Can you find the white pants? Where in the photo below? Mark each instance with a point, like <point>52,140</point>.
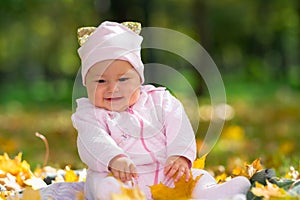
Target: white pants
<point>100,187</point>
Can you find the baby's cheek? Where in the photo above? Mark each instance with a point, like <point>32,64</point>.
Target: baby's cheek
<point>134,97</point>
<point>97,99</point>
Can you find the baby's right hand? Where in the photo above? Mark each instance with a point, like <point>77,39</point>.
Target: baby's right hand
<point>123,168</point>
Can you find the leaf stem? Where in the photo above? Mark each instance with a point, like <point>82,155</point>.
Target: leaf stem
<point>42,137</point>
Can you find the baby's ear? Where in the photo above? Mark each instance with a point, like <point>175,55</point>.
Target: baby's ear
<point>83,34</point>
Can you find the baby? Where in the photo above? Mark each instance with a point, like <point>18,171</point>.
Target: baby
<point>129,131</point>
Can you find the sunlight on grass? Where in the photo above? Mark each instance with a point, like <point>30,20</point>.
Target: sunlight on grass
<point>256,126</point>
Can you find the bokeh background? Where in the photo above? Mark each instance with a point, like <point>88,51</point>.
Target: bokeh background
<point>255,45</point>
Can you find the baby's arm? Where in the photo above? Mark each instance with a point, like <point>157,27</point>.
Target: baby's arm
<point>122,168</point>
<point>179,165</point>
<point>96,147</point>
<point>181,144</point>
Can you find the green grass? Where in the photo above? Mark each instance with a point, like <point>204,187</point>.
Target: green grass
<point>18,126</point>
<point>267,116</point>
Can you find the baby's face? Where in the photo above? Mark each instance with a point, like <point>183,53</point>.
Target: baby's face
<point>113,85</point>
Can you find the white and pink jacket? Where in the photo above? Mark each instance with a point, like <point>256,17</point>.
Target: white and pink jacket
<point>150,131</point>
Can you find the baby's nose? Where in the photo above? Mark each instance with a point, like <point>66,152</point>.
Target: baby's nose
<point>113,87</point>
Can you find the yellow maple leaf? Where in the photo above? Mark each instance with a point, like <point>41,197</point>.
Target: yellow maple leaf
<point>182,189</point>
<point>221,178</point>
<point>16,167</point>
<point>2,196</point>
<point>129,194</point>
<point>199,163</point>
<point>268,191</point>
<point>70,175</point>
<point>10,165</point>
<point>30,194</point>
<point>239,171</point>
<point>80,195</point>
<point>248,170</point>
<point>254,167</point>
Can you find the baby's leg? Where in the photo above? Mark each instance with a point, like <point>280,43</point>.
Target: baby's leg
<point>207,188</point>
<point>99,187</point>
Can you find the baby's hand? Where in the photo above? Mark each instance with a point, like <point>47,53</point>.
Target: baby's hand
<point>177,164</point>
<point>122,168</point>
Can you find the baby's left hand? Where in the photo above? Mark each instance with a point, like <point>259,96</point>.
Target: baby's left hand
<point>178,164</point>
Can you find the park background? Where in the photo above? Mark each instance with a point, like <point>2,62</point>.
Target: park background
<point>255,45</point>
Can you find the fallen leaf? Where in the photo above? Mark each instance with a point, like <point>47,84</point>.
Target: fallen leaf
<point>80,196</point>
<point>268,191</point>
<point>182,189</point>
<point>221,178</point>
<point>35,183</point>
<point>70,175</point>
<point>16,167</point>
<point>129,194</point>
<point>254,167</point>
<point>199,163</point>
<point>30,194</point>
<point>239,171</point>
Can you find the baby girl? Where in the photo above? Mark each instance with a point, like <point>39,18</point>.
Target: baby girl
<point>129,131</point>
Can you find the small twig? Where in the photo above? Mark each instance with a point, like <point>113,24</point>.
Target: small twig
<point>46,146</point>
<point>295,183</point>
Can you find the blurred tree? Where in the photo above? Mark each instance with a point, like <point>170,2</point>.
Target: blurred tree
<point>131,10</point>
<point>253,40</point>
<point>250,41</point>
<point>39,46</point>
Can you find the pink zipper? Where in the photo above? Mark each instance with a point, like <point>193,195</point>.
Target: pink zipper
<point>130,110</point>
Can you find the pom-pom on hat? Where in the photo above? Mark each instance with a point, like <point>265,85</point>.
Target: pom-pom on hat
<point>110,41</point>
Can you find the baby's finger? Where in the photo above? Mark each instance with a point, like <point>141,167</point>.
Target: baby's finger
<point>168,166</point>
<point>127,175</point>
<point>187,175</point>
<point>122,176</point>
<point>171,172</point>
<point>180,173</point>
<point>115,173</point>
<point>167,169</point>
<point>133,171</point>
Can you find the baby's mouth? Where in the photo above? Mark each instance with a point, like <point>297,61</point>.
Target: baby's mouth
<point>111,99</point>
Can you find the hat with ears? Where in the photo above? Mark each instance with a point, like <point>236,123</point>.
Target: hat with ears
<point>110,41</point>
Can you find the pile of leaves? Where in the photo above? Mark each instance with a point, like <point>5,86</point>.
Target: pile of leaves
<point>16,177</point>
<point>265,183</point>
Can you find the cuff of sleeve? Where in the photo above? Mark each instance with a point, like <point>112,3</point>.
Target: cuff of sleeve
<point>190,162</point>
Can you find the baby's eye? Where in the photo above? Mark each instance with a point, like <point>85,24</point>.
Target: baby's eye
<point>123,79</point>
<point>101,81</point>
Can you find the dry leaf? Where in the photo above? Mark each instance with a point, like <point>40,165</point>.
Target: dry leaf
<point>16,167</point>
<point>199,163</point>
<point>270,190</point>
<point>254,167</point>
<point>10,183</point>
<point>80,196</point>
<point>221,178</point>
<point>70,175</point>
<point>248,170</point>
<point>239,171</point>
<point>182,189</point>
<point>2,196</point>
<point>35,183</point>
<point>30,194</point>
<point>129,194</point>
